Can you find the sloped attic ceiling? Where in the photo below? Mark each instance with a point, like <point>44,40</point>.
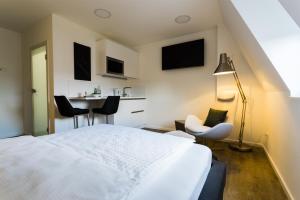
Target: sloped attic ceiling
<point>292,7</point>
<point>269,39</point>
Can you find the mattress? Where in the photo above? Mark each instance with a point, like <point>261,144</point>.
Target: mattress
<point>102,162</point>
<point>183,179</point>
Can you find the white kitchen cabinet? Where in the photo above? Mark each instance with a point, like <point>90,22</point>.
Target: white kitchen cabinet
<point>131,68</point>
<point>100,57</point>
<point>131,113</point>
<point>115,50</point>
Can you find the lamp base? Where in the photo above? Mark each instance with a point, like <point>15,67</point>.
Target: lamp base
<point>240,147</point>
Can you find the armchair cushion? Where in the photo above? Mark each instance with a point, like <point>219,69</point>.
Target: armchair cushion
<point>219,131</point>
<point>215,117</point>
<point>195,126</point>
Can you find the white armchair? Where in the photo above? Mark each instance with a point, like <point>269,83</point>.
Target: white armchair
<point>195,127</point>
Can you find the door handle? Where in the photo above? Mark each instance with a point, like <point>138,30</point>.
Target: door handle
<point>138,111</point>
<point>33,90</point>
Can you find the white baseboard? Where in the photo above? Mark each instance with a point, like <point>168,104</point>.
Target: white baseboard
<point>280,177</point>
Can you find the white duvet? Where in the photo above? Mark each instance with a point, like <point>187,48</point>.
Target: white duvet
<point>100,162</point>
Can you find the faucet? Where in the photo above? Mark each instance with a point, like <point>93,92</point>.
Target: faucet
<point>124,91</point>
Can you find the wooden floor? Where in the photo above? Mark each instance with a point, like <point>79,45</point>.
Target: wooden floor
<point>249,175</point>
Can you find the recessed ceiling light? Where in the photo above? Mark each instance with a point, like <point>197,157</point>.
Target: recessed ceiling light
<point>102,13</point>
<point>182,19</point>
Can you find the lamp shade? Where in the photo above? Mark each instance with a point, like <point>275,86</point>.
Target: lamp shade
<point>224,67</point>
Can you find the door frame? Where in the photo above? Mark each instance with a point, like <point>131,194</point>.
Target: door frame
<point>32,48</point>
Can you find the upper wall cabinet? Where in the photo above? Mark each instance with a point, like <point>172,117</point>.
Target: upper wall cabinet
<point>123,56</point>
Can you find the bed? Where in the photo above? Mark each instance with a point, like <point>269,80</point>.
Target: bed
<point>104,162</point>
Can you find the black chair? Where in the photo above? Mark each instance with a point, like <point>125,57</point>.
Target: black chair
<point>109,107</point>
<point>66,109</point>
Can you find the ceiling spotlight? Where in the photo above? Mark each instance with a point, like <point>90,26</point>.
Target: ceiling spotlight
<point>102,13</point>
<point>182,19</point>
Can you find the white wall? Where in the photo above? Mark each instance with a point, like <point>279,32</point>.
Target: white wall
<point>173,94</point>
<point>11,98</point>
<point>65,33</point>
<point>283,114</point>
<point>254,127</point>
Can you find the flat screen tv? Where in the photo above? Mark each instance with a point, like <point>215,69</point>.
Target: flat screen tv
<point>183,55</point>
<point>82,62</point>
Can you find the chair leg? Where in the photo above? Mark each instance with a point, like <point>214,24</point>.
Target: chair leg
<point>74,121</point>
<point>93,118</point>
<point>88,118</point>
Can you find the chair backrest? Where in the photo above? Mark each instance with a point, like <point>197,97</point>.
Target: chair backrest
<point>111,105</point>
<point>64,107</point>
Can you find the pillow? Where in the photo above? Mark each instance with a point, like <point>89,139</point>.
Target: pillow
<point>215,117</point>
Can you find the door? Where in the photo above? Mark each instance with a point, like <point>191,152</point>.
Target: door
<point>39,91</point>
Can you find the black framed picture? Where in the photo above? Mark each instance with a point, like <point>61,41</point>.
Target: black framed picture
<point>82,62</point>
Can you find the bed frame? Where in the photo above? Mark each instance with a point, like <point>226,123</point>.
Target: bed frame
<point>213,188</point>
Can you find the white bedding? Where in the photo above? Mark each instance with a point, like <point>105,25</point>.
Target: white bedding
<point>100,162</point>
<point>182,179</point>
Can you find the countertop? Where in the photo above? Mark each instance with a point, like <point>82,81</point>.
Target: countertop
<point>90,98</point>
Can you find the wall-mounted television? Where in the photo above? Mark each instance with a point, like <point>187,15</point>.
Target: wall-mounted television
<point>82,62</point>
<point>183,55</point>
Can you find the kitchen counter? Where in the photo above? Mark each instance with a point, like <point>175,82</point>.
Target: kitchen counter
<point>131,111</point>
<point>91,98</point>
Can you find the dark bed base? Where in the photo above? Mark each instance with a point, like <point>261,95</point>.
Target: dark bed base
<point>213,188</point>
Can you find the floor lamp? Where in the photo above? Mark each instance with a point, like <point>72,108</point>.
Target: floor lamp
<point>226,66</point>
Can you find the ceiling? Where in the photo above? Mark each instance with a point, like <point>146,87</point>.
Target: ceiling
<point>292,7</point>
<point>133,22</point>
<point>270,48</point>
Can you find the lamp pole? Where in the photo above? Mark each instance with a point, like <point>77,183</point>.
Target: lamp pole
<point>240,146</point>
